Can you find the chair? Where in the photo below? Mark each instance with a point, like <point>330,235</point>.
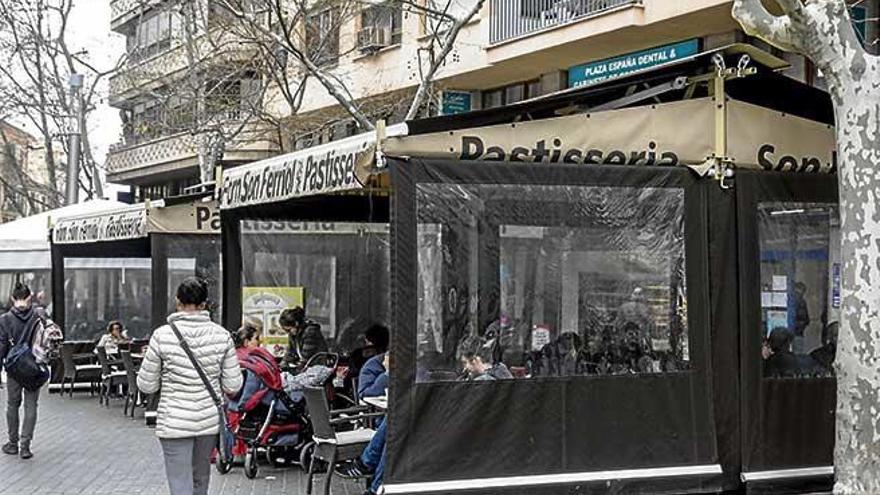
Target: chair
<point>132,394</point>
<point>331,446</point>
<point>73,371</point>
<point>110,377</point>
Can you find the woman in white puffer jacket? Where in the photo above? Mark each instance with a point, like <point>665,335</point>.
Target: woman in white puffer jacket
<point>187,421</point>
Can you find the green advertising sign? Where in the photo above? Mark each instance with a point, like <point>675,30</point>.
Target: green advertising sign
<point>611,68</point>
<point>456,102</point>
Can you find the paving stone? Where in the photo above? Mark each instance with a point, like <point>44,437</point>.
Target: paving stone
<point>82,448</point>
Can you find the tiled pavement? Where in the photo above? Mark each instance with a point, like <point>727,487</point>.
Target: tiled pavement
<point>83,448</point>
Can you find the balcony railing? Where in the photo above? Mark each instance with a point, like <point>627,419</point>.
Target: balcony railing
<point>124,158</point>
<point>514,18</point>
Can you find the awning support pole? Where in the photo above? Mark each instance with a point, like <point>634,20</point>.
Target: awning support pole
<point>723,166</point>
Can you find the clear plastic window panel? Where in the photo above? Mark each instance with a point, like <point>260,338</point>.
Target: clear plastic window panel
<point>800,288</point>
<point>197,256</point>
<point>100,290</point>
<point>338,272</point>
<point>530,281</point>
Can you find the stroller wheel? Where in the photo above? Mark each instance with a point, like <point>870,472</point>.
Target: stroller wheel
<point>250,463</point>
<point>223,467</point>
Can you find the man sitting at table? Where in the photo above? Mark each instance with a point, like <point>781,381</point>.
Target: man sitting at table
<point>373,378</point>
<point>372,459</point>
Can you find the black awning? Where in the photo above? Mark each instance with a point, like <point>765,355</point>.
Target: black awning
<point>767,88</point>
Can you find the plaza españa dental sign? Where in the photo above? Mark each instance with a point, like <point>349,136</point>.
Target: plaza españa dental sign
<point>612,68</point>
<point>319,170</point>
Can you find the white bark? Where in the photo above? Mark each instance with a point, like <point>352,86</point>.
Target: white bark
<point>821,30</point>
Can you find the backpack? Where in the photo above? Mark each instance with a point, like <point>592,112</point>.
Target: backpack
<point>22,364</point>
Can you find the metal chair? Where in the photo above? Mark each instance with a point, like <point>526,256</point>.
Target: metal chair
<point>332,446</point>
<point>132,394</point>
<point>73,371</point>
<point>110,377</point>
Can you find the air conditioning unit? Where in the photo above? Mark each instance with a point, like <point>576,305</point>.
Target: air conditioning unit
<point>373,38</point>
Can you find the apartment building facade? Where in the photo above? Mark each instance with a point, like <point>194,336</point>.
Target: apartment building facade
<point>25,187</point>
<point>512,50</point>
<point>184,83</point>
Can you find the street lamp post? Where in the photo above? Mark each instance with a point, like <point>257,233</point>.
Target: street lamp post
<point>73,140</point>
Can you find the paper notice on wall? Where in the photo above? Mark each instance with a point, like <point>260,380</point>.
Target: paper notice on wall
<point>780,282</point>
<point>540,337</point>
<point>776,319</point>
<point>766,299</point>
<point>780,300</point>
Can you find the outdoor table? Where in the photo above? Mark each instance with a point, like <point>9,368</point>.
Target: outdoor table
<point>380,403</point>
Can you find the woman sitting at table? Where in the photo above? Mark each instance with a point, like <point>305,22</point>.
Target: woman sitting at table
<point>115,335</point>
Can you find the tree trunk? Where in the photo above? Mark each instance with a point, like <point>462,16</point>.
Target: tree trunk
<point>857,452</point>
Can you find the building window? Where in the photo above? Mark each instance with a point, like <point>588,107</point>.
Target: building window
<point>153,33</point>
<point>512,93</point>
<point>381,26</point>
<point>322,37</point>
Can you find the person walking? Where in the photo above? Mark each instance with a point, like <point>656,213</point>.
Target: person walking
<point>187,422</point>
<point>15,324</point>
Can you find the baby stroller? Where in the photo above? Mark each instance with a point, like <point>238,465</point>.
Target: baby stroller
<point>270,414</point>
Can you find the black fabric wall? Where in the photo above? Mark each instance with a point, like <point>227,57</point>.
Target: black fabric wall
<point>786,422</point>
<point>465,430</point>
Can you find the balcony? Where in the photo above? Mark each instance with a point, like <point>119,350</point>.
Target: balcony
<point>122,11</point>
<point>511,19</point>
<point>178,153</point>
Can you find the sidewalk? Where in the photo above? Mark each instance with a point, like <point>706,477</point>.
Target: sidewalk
<point>83,448</point>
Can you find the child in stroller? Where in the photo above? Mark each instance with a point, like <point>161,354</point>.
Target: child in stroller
<point>269,413</point>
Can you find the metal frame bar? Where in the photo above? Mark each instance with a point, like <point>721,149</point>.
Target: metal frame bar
<point>551,479</point>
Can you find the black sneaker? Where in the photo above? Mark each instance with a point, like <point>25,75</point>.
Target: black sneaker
<point>353,469</point>
<point>10,448</point>
<point>26,451</point>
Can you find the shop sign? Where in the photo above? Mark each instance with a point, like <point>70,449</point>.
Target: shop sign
<point>667,134</point>
<point>323,169</point>
<point>128,224</point>
<point>197,217</point>
<point>265,304</point>
<point>455,102</point>
<point>612,68</point>
<point>268,227</point>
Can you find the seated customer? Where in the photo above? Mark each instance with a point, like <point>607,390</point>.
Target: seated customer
<point>304,337</point>
<point>825,355</point>
<point>372,459</point>
<point>376,339</point>
<point>478,366</point>
<point>373,378</point>
<point>115,335</point>
<point>778,358</point>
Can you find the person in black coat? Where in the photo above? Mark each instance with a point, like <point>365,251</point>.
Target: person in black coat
<point>304,337</point>
<point>778,358</point>
<point>13,325</point>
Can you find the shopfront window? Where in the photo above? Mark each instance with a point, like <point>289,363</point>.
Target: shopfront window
<point>527,281</point>
<point>800,288</point>
<point>338,272</point>
<point>100,290</point>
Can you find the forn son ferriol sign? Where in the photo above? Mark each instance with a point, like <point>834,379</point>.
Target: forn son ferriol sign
<point>319,170</point>
<point>113,226</point>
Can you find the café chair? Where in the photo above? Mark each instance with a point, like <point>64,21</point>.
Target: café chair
<point>77,373</point>
<point>132,394</point>
<point>110,377</point>
<point>331,446</point>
